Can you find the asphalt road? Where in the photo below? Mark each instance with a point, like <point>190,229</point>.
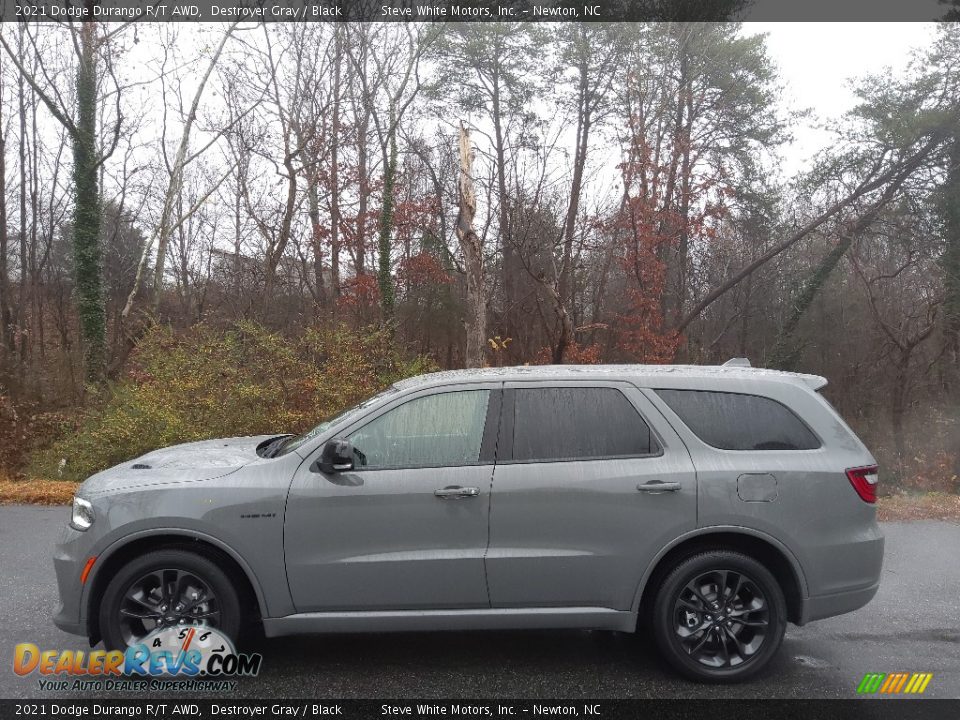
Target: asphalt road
<point>913,625</point>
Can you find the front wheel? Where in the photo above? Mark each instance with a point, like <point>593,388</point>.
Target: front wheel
<point>164,589</point>
<point>719,616</point>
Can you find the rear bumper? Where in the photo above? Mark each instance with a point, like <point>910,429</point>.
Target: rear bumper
<point>824,606</point>
<point>844,571</point>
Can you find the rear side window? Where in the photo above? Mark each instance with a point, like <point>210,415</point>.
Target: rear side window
<point>733,421</point>
<point>577,423</point>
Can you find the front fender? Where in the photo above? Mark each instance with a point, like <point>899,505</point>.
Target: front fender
<point>164,534</point>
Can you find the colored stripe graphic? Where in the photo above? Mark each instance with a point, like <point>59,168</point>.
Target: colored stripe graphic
<point>889,682</point>
<point>894,683</point>
<point>870,683</point>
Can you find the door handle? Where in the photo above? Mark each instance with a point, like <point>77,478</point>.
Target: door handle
<point>455,492</point>
<point>658,486</point>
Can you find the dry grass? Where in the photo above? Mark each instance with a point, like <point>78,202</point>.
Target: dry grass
<point>896,508</point>
<point>36,492</point>
<point>928,506</point>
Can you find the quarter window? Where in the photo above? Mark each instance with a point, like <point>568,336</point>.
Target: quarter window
<point>734,421</point>
<point>431,431</point>
<point>577,424</point>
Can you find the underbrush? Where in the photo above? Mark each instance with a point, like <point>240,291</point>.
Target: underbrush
<point>927,460</point>
<point>207,383</point>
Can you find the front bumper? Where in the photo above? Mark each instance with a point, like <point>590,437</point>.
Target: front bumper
<point>64,620</point>
<point>69,557</point>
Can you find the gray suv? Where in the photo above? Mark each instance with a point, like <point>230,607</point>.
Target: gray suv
<point>707,506</point>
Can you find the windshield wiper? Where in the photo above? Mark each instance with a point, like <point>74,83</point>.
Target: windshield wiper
<point>279,445</point>
<point>274,446</point>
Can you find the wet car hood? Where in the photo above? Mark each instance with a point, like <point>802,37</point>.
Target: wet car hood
<point>188,462</point>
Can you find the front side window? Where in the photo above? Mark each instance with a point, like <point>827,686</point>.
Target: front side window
<point>295,441</point>
<point>431,431</point>
<point>577,423</point>
<point>734,421</point>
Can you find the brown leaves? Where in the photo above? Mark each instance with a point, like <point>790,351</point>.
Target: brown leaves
<point>930,506</point>
<point>36,492</point>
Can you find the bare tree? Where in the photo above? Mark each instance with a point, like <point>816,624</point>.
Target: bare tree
<point>168,223</point>
<point>472,249</point>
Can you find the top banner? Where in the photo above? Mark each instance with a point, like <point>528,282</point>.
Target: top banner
<point>476,10</point>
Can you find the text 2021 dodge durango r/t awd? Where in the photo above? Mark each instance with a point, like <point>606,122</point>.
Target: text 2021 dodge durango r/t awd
<point>708,506</point>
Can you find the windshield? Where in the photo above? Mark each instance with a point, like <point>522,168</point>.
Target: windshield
<point>295,441</point>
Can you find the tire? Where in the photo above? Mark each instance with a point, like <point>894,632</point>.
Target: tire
<point>207,595</point>
<point>711,641</point>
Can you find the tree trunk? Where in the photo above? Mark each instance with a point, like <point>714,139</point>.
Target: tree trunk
<point>683,241</point>
<point>86,215</point>
<point>364,190</point>
<point>22,285</point>
<point>384,279</point>
<point>507,250</point>
<point>898,404</point>
<point>335,180</point>
<point>786,352</point>
<point>472,248</point>
<point>313,203</point>
<point>6,336</point>
<point>950,262</point>
<point>564,295</point>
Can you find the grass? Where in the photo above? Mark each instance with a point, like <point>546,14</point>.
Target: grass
<point>36,492</point>
<point>895,508</point>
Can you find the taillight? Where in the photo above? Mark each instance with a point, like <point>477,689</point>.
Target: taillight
<point>864,481</point>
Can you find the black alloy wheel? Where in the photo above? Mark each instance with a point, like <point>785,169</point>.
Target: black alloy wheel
<point>166,598</point>
<point>719,616</point>
<point>163,589</point>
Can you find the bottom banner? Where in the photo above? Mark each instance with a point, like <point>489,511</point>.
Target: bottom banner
<point>609,709</point>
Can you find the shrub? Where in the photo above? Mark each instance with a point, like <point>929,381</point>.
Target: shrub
<point>207,383</point>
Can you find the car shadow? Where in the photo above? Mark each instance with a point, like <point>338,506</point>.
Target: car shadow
<point>504,664</point>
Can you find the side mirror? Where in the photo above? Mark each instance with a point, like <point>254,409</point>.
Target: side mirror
<point>337,456</point>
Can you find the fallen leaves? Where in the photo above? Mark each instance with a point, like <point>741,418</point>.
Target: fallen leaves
<point>896,508</point>
<point>927,506</point>
<point>36,492</point>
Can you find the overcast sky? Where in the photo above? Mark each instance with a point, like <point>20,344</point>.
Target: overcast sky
<point>817,61</point>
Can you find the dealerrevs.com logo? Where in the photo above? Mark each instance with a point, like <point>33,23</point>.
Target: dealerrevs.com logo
<point>175,655</point>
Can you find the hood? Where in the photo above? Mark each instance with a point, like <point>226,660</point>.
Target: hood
<point>189,462</point>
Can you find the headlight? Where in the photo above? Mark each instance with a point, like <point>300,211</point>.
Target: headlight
<point>82,517</point>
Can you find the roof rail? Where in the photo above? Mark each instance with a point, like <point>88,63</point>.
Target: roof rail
<point>737,362</point>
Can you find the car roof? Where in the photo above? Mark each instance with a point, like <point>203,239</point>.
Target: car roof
<point>651,375</point>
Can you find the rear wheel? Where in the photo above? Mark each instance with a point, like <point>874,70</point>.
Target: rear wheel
<point>719,616</point>
<point>163,589</point>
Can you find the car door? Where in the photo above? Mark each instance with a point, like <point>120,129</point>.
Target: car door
<point>590,484</point>
<point>407,527</point>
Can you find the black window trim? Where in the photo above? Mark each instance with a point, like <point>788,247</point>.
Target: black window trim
<point>820,447</point>
<point>508,415</point>
<point>488,441</point>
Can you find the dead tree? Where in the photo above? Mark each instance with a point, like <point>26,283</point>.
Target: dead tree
<point>472,248</point>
